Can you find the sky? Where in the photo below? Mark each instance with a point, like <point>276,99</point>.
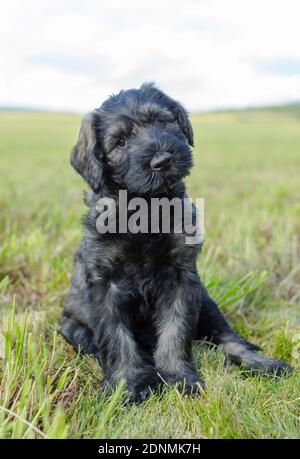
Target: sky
<point>208,54</point>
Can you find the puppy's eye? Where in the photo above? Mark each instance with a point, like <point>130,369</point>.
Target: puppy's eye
<point>122,142</point>
<point>166,119</point>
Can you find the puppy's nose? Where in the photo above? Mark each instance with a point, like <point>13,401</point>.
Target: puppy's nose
<point>161,161</point>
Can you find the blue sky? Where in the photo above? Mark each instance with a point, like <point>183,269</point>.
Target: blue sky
<point>69,55</point>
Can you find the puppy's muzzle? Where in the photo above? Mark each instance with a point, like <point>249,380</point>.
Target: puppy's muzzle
<point>161,161</point>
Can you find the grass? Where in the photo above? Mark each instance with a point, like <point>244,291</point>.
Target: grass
<point>247,169</point>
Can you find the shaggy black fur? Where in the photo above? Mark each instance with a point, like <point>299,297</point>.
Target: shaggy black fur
<point>136,301</point>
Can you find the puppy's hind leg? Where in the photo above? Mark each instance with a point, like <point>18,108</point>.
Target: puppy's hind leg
<point>213,326</point>
<point>74,321</point>
<point>79,335</point>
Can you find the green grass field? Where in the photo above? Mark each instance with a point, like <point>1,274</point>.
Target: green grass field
<point>247,167</point>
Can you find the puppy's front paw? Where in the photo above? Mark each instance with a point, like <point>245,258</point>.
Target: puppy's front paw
<point>142,385</point>
<point>137,387</point>
<point>138,393</point>
<point>188,383</point>
<point>194,389</point>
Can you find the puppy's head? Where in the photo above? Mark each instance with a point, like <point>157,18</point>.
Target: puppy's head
<point>138,140</point>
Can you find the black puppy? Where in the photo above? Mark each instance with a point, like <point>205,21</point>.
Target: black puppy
<point>136,300</point>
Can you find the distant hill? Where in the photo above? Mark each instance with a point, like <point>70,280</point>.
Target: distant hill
<point>291,108</point>
<point>9,108</point>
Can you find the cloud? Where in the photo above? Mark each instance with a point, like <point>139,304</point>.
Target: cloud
<point>282,67</point>
<point>65,54</point>
<point>71,63</point>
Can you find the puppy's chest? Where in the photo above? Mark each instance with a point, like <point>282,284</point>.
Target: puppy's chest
<point>153,249</point>
<point>142,256</point>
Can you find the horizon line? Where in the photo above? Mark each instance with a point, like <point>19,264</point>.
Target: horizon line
<point>28,108</point>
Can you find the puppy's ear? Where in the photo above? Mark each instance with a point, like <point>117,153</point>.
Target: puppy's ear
<point>184,123</point>
<point>86,156</point>
<point>181,114</point>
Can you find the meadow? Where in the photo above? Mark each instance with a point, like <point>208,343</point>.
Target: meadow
<point>247,168</point>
